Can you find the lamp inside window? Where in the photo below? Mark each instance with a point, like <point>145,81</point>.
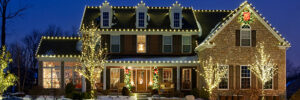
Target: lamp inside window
<point>141,43</point>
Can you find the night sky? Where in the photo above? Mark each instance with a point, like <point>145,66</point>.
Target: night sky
<point>283,14</point>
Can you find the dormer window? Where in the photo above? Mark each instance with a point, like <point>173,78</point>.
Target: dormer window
<point>105,17</point>
<point>176,16</point>
<point>141,19</point>
<point>245,39</point>
<point>141,15</point>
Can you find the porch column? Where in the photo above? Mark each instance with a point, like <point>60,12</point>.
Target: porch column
<point>104,78</point>
<point>178,78</point>
<point>83,84</point>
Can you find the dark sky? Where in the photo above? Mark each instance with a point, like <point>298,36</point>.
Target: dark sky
<point>283,14</point>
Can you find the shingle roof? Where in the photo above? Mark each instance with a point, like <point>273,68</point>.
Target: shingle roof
<point>58,46</point>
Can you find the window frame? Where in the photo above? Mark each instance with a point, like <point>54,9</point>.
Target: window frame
<point>137,44</point>
<point>51,72</point>
<point>141,19</point>
<point>104,20</point>
<point>176,20</point>
<point>110,72</point>
<point>245,77</point>
<point>182,43</point>
<point>263,87</point>
<point>228,81</point>
<point>163,44</point>
<point>115,44</point>
<point>250,34</point>
<point>190,78</point>
<point>164,74</point>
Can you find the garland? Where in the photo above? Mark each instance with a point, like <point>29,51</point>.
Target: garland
<point>155,78</point>
<point>246,17</point>
<point>127,78</point>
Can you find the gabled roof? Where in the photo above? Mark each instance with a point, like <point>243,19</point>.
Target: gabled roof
<point>219,27</point>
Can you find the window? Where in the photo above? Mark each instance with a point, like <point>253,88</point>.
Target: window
<point>141,43</point>
<point>105,19</point>
<point>176,19</point>
<point>114,77</point>
<point>224,80</point>
<point>167,44</point>
<point>245,77</point>
<point>115,43</point>
<point>186,44</point>
<point>51,74</point>
<point>269,85</point>
<point>245,35</point>
<point>71,75</point>
<point>141,19</point>
<point>186,80</point>
<point>167,75</point>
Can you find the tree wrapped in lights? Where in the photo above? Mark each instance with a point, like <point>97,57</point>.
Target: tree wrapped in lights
<point>127,78</point>
<point>93,56</point>
<point>263,67</point>
<point>212,74</point>
<point>155,78</point>
<point>6,78</point>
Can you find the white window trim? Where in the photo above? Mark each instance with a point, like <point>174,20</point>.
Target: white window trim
<point>171,73</point>
<point>111,74</point>
<point>241,29</point>
<point>183,44</point>
<point>228,82</point>
<point>263,87</point>
<point>138,19</point>
<point>241,77</point>
<point>163,45</point>
<point>106,8</point>
<point>190,69</point>
<point>111,43</point>
<point>137,45</point>
<point>60,79</point>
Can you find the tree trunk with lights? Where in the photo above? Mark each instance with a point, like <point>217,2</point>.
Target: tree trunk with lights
<point>212,74</point>
<point>93,57</point>
<point>263,68</point>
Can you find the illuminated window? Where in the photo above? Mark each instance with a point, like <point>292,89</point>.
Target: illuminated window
<point>114,77</point>
<point>224,80</point>
<point>141,19</point>
<point>245,77</point>
<point>186,80</point>
<point>71,75</point>
<point>115,43</point>
<point>186,44</point>
<point>176,19</point>
<point>245,35</point>
<point>51,75</point>
<point>141,43</point>
<point>105,19</point>
<point>167,44</point>
<point>167,75</point>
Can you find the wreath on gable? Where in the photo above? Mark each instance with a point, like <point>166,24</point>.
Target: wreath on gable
<point>246,17</point>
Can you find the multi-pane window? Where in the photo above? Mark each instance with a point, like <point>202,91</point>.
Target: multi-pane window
<point>105,19</point>
<point>141,43</point>
<point>71,76</point>
<point>114,77</point>
<point>167,44</point>
<point>115,43</point>
<point>141,19</point>
<point>224,80</point>
<point>186,79</point>
<point>245,77</point>
<point>176,19</point>
<point>51,75</point>
<point>167,75</point>
<point>269,85</point>
<point>186,44</point>
<point>245,35</point>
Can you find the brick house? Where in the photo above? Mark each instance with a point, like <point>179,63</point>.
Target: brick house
<point>143,38</point>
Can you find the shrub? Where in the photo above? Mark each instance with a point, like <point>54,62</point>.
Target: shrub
<point>196,92</point>
<point>87,95</point>
<point>105,92</point>
<point>69,89</point>
<point>76,95</point>
<point>203,94</point>
<point>154,92</point>
<point>125,91</point>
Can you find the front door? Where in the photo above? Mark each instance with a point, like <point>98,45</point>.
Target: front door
<point>141,81</point>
